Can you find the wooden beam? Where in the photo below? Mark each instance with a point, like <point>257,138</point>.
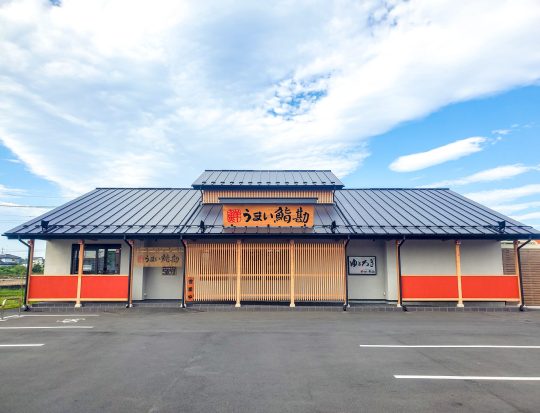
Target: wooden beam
<point>80,273</point>
<point>398,274</point>
<point>292,270</point>
<point>29,264</point>
<point>238,272</point>
<point>458,273</point>
<point>518,269</point>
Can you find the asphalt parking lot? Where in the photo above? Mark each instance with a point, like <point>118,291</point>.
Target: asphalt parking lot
<point>171,361</point>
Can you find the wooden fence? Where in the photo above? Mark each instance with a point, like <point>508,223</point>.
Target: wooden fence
<point>530,268</point>
<point>258,271</point>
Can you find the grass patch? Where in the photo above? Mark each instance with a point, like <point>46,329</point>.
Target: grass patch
<point>11,292</point>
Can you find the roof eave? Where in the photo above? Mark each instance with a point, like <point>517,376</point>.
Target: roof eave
<point>266,187</point>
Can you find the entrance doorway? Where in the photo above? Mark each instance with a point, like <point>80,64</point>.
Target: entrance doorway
<point>266,271</point>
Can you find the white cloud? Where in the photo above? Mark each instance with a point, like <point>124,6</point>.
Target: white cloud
<point>511,208</point>
<point>488,175</point>
<point>97,93</point>
<point>529,216</point>
<point>7,192</point>
<point>436,156</point>
<point>496,196</point>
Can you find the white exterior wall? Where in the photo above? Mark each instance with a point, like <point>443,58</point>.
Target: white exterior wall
<point>146,283</point>
<point>481,257</point>
<point>58,255</point>
<point>391,271</point>
<point>368,287</point>
<point>137,281</point>
<point>428,257</point>
<point>158,286</point>
<point>419,257</point>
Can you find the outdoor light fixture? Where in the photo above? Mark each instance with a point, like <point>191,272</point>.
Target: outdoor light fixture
<point>502,226</point>
<point>333,227</point>
<point>202,226</point>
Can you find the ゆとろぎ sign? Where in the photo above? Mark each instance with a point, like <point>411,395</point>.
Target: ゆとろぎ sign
<point>158,257</point>
<point>362,265</point>
<point>268,215</point>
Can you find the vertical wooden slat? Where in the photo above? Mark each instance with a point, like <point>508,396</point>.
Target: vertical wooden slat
<point>323,196</point>
<point>238,271</point>
<point>79,272</point>
<point>293,257</point>
<point>518,270</point>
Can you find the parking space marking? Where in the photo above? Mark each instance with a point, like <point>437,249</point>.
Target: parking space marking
<point>70,320</point>
<point>58,315</point>
<point>21,345</point>
<point>494,378</point>
<point>41,327</point>
<point>10,316</point>
<point>446,346</point>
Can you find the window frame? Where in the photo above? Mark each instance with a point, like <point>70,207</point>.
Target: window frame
<point>75,248</point>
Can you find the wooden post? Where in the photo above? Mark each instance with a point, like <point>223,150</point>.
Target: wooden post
<point>79,273</point>
<point>130,274</point>
<point>292,258</point>
<point>398,275</point>
<point>29,264</point>
<point>238,271</point>
<point>518,270</point>
<point>458,273</point>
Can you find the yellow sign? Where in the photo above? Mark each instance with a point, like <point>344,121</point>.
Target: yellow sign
<point>158,257</point>
<point>268,215</point>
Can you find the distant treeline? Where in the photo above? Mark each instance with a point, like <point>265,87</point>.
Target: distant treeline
<point>19,270</point>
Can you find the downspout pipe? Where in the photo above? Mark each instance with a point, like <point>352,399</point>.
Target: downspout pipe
<point>400,303</point>
<point>183,273</point>
<point>522,306</point>
<point>346,276</point>
<point>130,273</point>
<point>24,305</point>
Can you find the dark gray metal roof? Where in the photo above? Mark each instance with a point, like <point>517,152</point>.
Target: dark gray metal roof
<point>363,213</point>
<point>321,179</point>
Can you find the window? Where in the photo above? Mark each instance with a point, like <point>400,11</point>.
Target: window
<point>98,259</point>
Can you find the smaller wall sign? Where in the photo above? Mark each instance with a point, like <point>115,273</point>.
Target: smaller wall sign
<point>168,270</point>
<point>158,257</point>
<point>362,265</point>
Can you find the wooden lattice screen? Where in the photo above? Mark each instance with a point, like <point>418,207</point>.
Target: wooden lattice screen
<point>257,271</point>
<point>530,267</point>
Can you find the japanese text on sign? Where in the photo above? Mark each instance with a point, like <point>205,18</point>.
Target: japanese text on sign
<point>362,265</point>
<point>268,215</point>
<point>158,257</point>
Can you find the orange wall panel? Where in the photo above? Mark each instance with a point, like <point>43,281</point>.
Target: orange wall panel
<point>429,286</point>
<point>53,287</point>
<point>490,286</point>
<point>104,287</point>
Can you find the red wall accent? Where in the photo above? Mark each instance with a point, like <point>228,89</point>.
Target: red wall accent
<point>104,286</point>
<point>53,287</point>
<point>429,286</point>
<point>490,286</point>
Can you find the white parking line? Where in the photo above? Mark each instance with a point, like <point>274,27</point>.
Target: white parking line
<point>445,346</point>
<point>10,316</point>
<point>21,345</point>
<point>58,315</point>
<point>495,378</point>
<point>41,327</point>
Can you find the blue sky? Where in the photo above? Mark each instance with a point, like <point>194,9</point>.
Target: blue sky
<point>386,94</point>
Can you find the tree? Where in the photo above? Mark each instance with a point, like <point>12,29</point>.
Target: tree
<point>37,269</point>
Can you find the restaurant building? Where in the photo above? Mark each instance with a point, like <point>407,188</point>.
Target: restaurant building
<point>285,236</point>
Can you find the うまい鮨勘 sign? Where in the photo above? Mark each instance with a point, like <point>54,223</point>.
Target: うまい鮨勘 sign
<point>268,215</point>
